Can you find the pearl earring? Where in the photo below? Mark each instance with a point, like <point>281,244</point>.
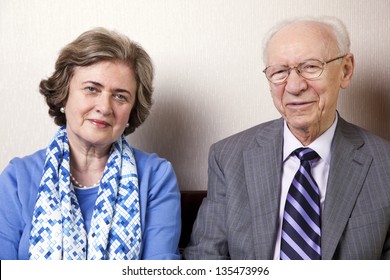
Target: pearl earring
<point>127,125</point>
<point>62,110</point>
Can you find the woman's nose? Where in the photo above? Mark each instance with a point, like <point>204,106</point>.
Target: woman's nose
<point>103,105</point>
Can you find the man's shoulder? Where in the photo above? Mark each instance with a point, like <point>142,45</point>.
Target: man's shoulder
<point>351,131</point>
<point>247,138</point>
<point>365,141</point>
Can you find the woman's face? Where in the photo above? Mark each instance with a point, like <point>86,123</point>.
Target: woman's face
<point>101,97</point>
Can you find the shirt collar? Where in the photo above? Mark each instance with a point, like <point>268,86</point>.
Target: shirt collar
<point>321,145</point>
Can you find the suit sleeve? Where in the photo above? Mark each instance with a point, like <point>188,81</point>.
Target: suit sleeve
<point>386,250</point>
<point>208,239</point>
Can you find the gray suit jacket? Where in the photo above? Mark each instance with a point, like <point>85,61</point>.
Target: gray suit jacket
<point>239,217</point>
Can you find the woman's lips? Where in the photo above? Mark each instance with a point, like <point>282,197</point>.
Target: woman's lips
<point>99,123</point>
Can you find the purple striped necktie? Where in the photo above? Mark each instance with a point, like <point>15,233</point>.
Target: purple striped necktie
<point>301,229</point>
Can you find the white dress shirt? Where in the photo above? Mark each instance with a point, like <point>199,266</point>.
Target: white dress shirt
<point>320,169</point>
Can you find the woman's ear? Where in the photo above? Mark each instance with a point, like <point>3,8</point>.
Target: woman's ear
<point>347,70</point>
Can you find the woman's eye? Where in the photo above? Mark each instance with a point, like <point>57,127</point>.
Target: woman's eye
<point>91,89</point>
<point>120,97</point>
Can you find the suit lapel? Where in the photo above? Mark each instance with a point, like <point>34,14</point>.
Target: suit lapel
<point>348,169</point>
<point>263,165</point>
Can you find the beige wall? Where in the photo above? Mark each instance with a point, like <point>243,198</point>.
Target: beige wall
<point>207,55</point>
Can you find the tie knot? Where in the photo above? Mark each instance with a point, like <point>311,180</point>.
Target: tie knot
<point>305,154</point>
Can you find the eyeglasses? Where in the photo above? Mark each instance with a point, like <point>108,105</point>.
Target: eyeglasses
<point>310,69</point>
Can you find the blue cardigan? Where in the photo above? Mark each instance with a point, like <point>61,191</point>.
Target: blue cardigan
<point>159,202</point>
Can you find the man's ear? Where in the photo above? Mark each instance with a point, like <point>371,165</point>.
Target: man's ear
<point>347,70</point>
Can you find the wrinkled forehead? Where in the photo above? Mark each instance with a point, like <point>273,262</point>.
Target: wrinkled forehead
<point>301,40</point>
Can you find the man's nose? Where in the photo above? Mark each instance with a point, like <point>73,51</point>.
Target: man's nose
<point>295,83</point>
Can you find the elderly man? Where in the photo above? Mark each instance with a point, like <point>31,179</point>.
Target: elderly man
<point>309,185</point>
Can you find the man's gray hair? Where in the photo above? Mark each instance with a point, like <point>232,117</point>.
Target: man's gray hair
<point>336,26</point>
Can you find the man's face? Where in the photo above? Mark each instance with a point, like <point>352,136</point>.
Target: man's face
<point>308,106</point>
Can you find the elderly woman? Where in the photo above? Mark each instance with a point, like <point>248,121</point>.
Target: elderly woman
<point>90,195</point>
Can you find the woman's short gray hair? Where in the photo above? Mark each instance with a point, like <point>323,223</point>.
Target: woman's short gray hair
<point>336,26</point>
<point>91,47</point>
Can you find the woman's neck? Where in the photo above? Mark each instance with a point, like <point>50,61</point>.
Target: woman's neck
<point>87,163</point>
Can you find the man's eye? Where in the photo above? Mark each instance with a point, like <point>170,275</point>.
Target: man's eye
<point>279,72</point>
<point>311,68</point>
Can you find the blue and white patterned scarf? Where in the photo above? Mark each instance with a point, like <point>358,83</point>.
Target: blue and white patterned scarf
<point>58,230</point>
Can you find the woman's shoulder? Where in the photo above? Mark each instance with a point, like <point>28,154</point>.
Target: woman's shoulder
<point>153,168</point>
<point>24,172</point>
<point>32,161</point>
<point>145,160</point>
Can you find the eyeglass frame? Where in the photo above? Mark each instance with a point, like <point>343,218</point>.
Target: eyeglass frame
<point>323,63</point>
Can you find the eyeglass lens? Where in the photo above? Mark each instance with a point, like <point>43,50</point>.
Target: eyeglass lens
<point>309,69</point>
